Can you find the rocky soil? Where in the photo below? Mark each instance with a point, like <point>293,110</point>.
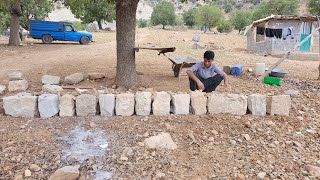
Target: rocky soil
<point>208,147</point>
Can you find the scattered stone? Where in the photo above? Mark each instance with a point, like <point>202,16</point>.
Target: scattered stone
<point>18,177</point>
<point>114,86</point>
<point>233,142</point>
<point>160,175</point>
<point>141,144</point>
<point>35,168</point>
<point>279,105</point>
<point>161,104</point>
<point>15,75</point>
<point>211,139</point>
<point>86,105</point>
<point>48,79</point>
<point>48,105</point>
<point>292,92</point>
<point>241,177</point>
<point>107,104</point>
<point>143,103</point>
<point>246,136</point>
<point>66,173</point>
<point>54,89</point>
<point>261,175</point>
<point>198,103</point>
<point>128,151</point>
<point>161,141</point>
<point>94,76</point>
<point>66,105</point>
<point>257,104</point>
<point>227,103</point>
<point>180,103</point>
<point>124,158</point>
<point>74,78</point>
<point>19,85</point>
<point>2,89</point>
<point>27,173</point>
<point>214,132</point>
<point>125,104</point>
<point>93,125</point>
<point>313,170</point>
<point>20,105</point>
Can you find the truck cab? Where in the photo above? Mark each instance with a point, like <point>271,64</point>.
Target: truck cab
<point>48,31</point>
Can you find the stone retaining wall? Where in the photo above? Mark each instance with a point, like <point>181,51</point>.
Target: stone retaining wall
<point>143,104</point>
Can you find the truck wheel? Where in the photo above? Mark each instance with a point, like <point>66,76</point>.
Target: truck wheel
<point>84,40</point>
<point>47,39</point>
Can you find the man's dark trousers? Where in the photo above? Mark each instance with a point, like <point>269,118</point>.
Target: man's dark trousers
<point>210,84</point>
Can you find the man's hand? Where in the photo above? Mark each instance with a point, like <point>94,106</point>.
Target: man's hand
<point>228,86</point>
<point>200,85</point>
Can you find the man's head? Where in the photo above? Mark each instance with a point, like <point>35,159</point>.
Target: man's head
<point>208,58</point>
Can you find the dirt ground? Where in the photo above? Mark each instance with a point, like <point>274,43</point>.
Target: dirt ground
<point>278,146</point>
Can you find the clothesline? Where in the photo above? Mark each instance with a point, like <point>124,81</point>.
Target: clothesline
<point>278,33</point>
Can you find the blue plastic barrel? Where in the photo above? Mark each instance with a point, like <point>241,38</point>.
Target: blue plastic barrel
<point>236,70</point>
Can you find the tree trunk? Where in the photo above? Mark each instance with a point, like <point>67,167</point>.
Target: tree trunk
<point>15,12</point>
<point>99,24</point>
<point>319,72</point>
<point>126,24</point>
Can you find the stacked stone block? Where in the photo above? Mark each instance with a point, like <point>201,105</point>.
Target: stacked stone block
<point>107,104</point>
<point>227,103</point>
<point>125,104</point>
<point>279,105</point>
<point>161,104</point>
<point>143,103</point>
<point>180,103</point>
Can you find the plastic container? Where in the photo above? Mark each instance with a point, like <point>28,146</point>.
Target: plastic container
<point>227,69</point>
<point>236,70</point>
<point>278,73</point>
<point>272,80</point>
<point>259,69</point>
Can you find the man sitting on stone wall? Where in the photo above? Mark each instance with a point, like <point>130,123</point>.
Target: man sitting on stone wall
<point>201,74</point>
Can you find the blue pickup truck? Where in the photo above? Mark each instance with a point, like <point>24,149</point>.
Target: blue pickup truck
<point>49,31</point>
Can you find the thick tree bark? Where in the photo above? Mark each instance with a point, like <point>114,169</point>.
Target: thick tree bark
<point>319,72</point>
<point>15,12</point>
<point>99,24</point>
<point>126,24</point>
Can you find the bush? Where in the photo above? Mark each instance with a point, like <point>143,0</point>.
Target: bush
<point>225,27</point>
<point>142,23</point>
<point>4,22</point>
<point>179,21</point>
<point>79,26</point>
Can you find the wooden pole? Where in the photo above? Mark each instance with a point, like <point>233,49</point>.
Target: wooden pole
<point>319,46</point>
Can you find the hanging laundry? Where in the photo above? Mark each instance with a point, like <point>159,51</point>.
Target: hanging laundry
<point>260,30</point>
<point>287,32</point>
<point>274,33</point>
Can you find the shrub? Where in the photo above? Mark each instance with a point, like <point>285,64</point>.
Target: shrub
<point>225,27</point>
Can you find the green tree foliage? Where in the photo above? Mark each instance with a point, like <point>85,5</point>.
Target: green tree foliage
<point>241,18</point>
<point>34,9</point>
<point>276,7</point>
<point>209,16</point>
<point>226,5</point>
<point>163,13</point>
<point>189,17</point>
<point>92,10</point>
<point>314,7</point>
<point>225,27</point>
<point>4,20</point>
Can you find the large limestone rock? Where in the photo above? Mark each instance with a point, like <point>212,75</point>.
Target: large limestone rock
<point>257,104</point>
<point>2,89</point>
<point>94,76</point>
<point>161,141</point>
<point>143,103</point>
<point>74,78</point>
<point>48,79</point>
<point>107,103</point>
<point>54,89</point>
<point>279,105</point>
<point>66,105</point>
<point>48,105</point>
<point>180,103</point>
<point>20,105</point>
<point>66,173</point>
<point>198,103</point>
<point>15,75</point>
<point>125,104</point>
<point>161,104</point>
<point>86,105</point>
<point>19,85</point>
<point>227,103</point>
